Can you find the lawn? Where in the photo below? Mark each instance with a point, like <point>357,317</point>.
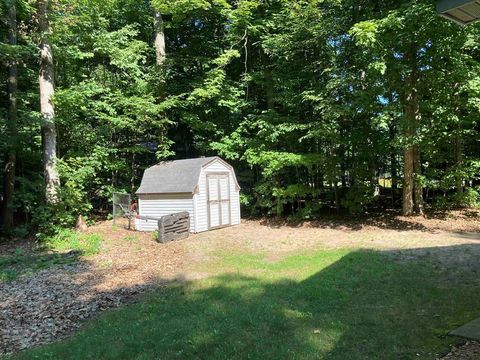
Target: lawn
<point>320,304</point>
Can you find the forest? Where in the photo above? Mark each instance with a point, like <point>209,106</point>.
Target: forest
<point>322,106</point>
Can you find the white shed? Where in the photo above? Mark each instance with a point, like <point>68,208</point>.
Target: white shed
<point>205,187</point>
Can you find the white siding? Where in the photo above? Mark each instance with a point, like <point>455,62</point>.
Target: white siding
<point>201,197</point>
<point>201,209</point>
<point>163,204</point>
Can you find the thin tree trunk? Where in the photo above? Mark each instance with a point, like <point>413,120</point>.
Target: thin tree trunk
<point>9,170</point>
<point>343,160</point>
<point>333,181</point>
<point>46,79</point>
<point>393,164</point>
<point>407,197</point>
<point>393,157</point>
<point>267,73</point>
<point>458,158</point>
<point>417,187</point>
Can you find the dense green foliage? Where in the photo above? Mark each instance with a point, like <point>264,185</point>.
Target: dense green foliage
<point>334,304</point>
<point>307,99</point>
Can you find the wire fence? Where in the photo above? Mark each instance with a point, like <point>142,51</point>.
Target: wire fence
<point>121,206</point>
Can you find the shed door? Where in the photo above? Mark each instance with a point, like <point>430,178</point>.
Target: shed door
<point>218,187</point>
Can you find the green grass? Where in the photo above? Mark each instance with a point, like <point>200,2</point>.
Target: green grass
<point>67,240</point>
<point>324,305</point>
<point>53,253</point>
<point>131,238</point>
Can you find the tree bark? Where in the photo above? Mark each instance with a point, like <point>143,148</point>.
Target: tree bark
<point>10,163</point>
<point>333,180</point>
<point>46,80</point>
<point>393,153</point>
<point>407,198</point>
<point>412,116</point>
<point>417,187</point>
<point>161,57</point>
<point>267,73</point>
<point>458,158</point>
<point>159,39</point>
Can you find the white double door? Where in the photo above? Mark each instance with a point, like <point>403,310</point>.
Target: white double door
<point>218,189</point>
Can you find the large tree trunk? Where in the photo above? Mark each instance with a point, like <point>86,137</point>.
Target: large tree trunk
<point>9,170</point>
<point>46,79</point>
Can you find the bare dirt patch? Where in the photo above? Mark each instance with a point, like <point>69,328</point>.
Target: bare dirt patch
<point>452,237</point>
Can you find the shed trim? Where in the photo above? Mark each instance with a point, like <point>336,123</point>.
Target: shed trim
<point>215,158</point>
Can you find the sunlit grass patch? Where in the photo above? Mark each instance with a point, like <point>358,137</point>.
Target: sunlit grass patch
<point>68,240</point>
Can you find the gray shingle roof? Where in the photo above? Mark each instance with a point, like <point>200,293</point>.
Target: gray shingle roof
<point>178,176</point>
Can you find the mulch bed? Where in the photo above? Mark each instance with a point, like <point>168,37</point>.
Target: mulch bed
<point>45,307</point>
<point>52,303</point>
<point>469,351</point>
<point>466,220</point>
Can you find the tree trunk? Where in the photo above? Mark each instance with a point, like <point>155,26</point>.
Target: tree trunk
<point>412,116</point>
<point>458,158</point>
<point>393,157</point>
<point>417,187</point>
<point>159,40</point>
<point>46,79</point>
<point>407,198</point>
<point>333,180</point>
<point>9,170</point>
<point>267,73</point>
<point>161,57</point>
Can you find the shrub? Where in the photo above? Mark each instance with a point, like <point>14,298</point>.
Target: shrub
<point>469,198</point>
<point>358,198</point>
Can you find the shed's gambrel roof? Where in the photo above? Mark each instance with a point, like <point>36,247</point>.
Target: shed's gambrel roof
<point>177,176</point>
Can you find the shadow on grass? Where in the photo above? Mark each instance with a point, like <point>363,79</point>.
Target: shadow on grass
<point>14,265</point>
<point>324,305</point>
